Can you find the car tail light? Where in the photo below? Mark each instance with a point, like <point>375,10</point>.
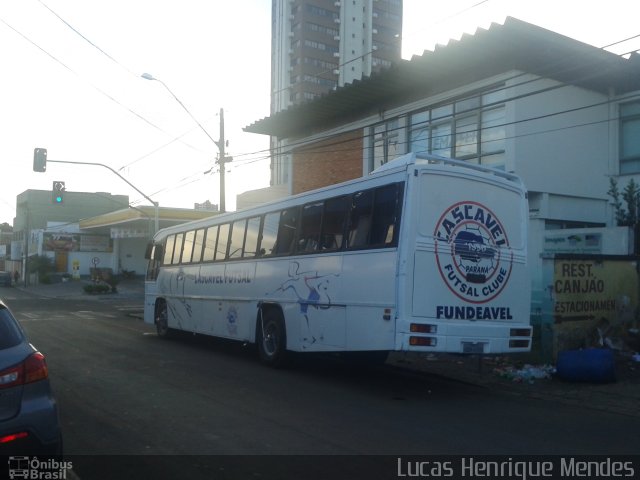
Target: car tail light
<point>13,437</point>
<point>34,368</point>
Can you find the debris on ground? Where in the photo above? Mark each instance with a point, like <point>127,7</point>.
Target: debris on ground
<point>526,374</point>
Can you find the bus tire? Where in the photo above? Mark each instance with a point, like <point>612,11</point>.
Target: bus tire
<point>271,337</point>
<point>162,320</point>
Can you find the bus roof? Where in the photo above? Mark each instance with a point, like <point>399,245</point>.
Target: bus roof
<point>396,167</point>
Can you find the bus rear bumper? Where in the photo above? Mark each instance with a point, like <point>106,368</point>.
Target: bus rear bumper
<point>492,340</point>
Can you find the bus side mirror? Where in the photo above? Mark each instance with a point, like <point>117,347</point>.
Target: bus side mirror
<point>148,251</point>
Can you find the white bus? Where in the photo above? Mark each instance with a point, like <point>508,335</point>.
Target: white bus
<point>426,254</point>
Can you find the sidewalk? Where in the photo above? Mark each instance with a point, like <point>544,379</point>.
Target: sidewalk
<point>127,288</point>
<point>503,373</point>
<point>507,375</point>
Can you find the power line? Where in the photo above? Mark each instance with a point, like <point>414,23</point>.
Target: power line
<point>292,147</point>
<point>620,41</point>
<point>86,39</point>
<point>96,88</point>
<point>566,70</point>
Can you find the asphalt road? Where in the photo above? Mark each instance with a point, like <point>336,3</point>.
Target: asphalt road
<point>122,391</point>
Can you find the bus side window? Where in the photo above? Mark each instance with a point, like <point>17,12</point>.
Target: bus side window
<point>236,245</point>
<point>310,224</point>
<point>334,222</point>
<point>269,234</point>
<point>177,249</point>
<point>198,243</point>
<point>251,241</point>
<point>383,231</point>
<point>168,250</point>
<point>187,249</point>
<point>223,242</point>
<point>360,219</point>
<point>287,231</point>
<point>209,252</point>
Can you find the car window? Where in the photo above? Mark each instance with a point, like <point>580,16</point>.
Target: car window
<point>10,333</point>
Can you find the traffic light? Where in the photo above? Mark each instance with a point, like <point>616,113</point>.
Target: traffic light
<point>57,195</point>
<point>40,160</point>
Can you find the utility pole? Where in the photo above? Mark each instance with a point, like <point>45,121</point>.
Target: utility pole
<point>220,143</point>
<point>221,161</point>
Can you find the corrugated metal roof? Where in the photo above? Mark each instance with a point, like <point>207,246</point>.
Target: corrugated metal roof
<point>513,45</point>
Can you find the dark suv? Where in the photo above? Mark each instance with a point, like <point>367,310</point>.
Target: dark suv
<point>29,423</point>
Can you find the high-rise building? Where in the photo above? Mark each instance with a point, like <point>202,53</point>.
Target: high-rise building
<point>318,45</point>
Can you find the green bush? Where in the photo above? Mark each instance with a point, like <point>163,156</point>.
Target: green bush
<point>41,265</point>
<point>96,288</point>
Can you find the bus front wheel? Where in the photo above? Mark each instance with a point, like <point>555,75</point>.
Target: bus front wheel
<point>271,338</point>
<point>162,321</point>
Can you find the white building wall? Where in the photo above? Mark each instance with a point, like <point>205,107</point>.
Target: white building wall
<point>356,34</point>
<point>280,55</point>
<point>561,139</point>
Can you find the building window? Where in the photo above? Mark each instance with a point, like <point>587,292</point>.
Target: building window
<point>630,138</point>
<point>471,129</point>
<point>386,142</point>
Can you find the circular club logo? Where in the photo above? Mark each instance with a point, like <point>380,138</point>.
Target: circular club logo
<point>469,242</point>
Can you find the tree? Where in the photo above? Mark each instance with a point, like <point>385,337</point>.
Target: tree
<point>631,196</point>
<point>43,266</point>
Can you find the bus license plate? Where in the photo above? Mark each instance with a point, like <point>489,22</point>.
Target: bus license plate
<point>473,347</point>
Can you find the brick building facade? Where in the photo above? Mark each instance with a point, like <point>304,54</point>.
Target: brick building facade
<point>339,159</point>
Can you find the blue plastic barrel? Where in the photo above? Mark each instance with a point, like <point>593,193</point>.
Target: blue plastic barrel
<point>595,365</point>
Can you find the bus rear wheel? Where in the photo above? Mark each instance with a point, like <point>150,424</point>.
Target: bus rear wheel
<point>271,338</point>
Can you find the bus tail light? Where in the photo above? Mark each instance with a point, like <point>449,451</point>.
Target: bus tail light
<point>423,328</point>
<point>520,332</point>
<point>423,341</point>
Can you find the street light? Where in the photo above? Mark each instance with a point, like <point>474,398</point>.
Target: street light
<point>220,143</point>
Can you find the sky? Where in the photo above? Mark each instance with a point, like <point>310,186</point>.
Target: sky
<point>70,82</point>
